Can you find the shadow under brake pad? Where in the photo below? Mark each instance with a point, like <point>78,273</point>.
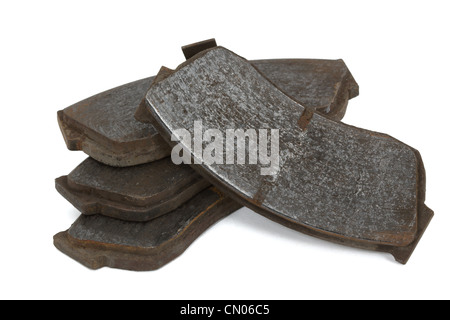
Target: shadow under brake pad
<point>104,127</point>
<point>96,241</point>
<point>327,179</point>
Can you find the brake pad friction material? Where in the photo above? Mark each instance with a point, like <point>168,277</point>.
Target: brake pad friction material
<point>141,193</point>
<point>104,126</point>
<point>321,85</point>
<point>138,193</point>
<point>98,241</point>
<point>335,181</point>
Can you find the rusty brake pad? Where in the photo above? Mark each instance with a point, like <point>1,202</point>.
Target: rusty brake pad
<point>97,241</point>
<point>330,180</point>
<point>143,192</point>
<point>128,194</point>
<point>124,199</point>
<point>91,239</point>
<point>138,193</point>
<point>104,127</point>
<point>321,85</point>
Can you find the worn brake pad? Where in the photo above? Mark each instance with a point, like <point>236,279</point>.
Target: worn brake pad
<point>138,193</point>
<point>333,181</point>
<point>104,127</point>
<point>97,241</point>
<point>143,192</point>
<point>135,194</point>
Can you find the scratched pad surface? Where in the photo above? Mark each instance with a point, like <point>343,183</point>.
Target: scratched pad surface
<point>324,85</point>
<point>138,193</point>
<point>104,125</point>
<point>333,178</point>
<point>143,234</point>
<point>140,185</point>
<point>111,113</point>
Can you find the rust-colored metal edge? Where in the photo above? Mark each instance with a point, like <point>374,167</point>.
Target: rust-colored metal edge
<point>192,49</point>
<point>424,216</point>
<point>81,138</point>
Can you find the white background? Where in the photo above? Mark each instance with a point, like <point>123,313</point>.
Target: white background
<point>55,53</point>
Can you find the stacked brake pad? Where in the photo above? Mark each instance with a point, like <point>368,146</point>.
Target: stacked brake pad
<point>335,182</point>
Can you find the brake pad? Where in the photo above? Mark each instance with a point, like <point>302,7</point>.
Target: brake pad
<point>326,179</point>
<point>144,192</point>
<point>97,241</point>
<point>104,127</point>
<point>138,193</point>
